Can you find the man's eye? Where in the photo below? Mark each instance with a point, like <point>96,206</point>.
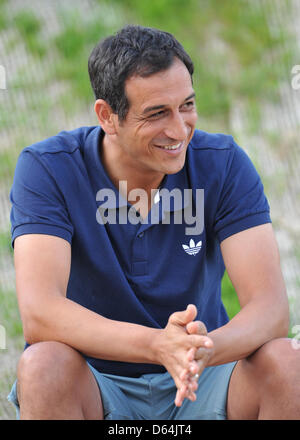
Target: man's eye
<point>188,105</point>
<point>157,114</point>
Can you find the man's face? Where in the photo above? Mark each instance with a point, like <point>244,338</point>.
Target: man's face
<point>160,122</point>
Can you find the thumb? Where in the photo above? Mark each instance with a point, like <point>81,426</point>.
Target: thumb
<point>196,328</point>
<point>187,315</point>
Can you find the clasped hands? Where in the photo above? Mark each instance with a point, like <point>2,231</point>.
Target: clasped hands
<point>185,350</point>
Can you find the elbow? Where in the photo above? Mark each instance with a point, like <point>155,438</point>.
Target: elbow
<point>30,332</point>
<point>283,320</point>
<point>32,328</point>
<point>282,329</point>
<point>36,320</point>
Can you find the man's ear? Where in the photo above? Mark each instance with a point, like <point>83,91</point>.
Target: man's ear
<point>105,115</point>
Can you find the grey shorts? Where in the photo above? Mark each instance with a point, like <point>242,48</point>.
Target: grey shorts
<point>151,396</point>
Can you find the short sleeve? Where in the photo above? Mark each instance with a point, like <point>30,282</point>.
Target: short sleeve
<point>38,205</point>
<point>242,203</point>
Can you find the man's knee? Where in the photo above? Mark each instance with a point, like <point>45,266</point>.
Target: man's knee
<point>47,365</point>
<point>54,381</point>
<point>276,362</point>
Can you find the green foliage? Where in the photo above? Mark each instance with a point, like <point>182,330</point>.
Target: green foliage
<point>7,164</point>
<point>29,27</point>
<point>3,19</point>
<point>70,42</point>
<point>74,44</point>
<point>229,297</point>
<point>76,74</point>
<point>27,23</point>
<point>9,314</point>
<point>5,245</point>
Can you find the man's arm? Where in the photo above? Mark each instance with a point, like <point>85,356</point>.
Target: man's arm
<point>42,265</point>
<point>252,261</point>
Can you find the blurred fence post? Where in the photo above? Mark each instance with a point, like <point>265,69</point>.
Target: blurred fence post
<point>2,338</point>
<point>2,78</point>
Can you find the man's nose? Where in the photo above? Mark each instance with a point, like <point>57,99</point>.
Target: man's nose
<point>177,128</point>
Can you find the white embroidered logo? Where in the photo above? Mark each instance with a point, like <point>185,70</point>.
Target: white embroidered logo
<point>193,248</point>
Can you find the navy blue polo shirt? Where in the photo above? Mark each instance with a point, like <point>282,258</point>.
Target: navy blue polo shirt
<point>138,271</point>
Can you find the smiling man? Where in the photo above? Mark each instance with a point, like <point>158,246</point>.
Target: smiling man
<point>124,319</point>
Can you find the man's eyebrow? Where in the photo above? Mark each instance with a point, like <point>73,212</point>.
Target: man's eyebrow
<point>159,107</point>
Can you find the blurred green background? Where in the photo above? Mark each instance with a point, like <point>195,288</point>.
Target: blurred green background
<point>243,52</point>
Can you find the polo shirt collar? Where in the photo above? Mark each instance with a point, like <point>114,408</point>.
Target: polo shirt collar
<point>99,175</point>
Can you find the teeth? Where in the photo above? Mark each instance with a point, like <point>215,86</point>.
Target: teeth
<point>171,147</point>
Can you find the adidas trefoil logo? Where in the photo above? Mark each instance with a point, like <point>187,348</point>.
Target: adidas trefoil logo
<point>193,248</point>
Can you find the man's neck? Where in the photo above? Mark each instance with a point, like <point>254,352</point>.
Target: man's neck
<point>119,168</point>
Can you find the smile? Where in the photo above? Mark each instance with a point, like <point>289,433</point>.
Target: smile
<point>170,147</point>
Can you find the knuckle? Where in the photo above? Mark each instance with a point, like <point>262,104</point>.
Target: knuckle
<point>197,340</point>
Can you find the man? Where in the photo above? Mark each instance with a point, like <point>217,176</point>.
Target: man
<point>122,308</point>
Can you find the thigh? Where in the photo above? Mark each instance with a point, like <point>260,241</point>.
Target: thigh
<point>122,397</point>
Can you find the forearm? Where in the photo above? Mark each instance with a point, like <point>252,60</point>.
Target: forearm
<point>258,322</point>
<point>66,321</point>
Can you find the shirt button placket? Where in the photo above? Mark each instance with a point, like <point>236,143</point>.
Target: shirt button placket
<point>139,255</point>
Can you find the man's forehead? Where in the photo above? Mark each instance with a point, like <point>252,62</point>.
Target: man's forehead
<point>161,88</point>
